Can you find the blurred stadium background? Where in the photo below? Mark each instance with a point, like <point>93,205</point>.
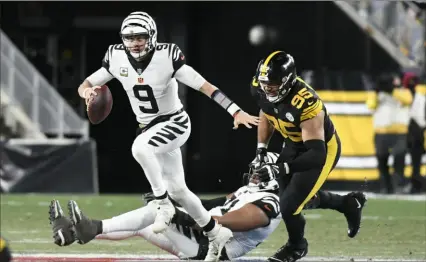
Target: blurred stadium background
<point>49,48</point>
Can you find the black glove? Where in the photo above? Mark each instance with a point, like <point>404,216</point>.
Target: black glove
<point>267,173</point>
<point>260,158</point>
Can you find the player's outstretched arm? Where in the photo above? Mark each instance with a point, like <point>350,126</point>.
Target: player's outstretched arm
<point>246,218</point>
<point>188,76</point>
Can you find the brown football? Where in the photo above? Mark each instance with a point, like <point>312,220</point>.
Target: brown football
<point>101,105</point>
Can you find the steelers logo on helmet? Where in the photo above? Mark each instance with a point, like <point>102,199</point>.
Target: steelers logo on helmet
<point>139,34</point>
<point>276,75</point>
<point>252,182</point>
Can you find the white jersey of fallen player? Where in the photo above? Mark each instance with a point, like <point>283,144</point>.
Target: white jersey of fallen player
<point>244,242</point>
<point>149,84</point>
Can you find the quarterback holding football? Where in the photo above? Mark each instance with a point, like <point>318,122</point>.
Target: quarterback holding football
<point>148,72</point>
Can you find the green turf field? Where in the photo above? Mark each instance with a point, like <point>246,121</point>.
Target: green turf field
<point>391,228</point>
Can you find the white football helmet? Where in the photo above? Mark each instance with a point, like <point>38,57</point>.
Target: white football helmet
<point>139,24</point>
<point>271,185</point>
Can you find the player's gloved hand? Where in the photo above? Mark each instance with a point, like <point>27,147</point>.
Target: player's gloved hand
<point>267,172</point>
<point>89,94</point>
<point>183,219</point>
<point>242,117</point>
<point>260,158</point>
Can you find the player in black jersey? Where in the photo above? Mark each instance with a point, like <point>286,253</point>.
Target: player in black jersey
<point>5,254</point>
<point>312,149</point>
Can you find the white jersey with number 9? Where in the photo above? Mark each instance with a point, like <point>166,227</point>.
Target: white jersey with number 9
<point>150,83</point>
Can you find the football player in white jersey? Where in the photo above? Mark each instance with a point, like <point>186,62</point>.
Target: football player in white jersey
<point>148,71</point>
<point>257,201</point>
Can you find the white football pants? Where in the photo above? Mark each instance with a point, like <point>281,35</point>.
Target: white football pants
<point>175,240</point>
<point>157,150</point>
<point>138,223</point>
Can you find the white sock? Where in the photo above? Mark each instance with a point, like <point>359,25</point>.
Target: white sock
<point>131,221</point>
<point>214,231</point>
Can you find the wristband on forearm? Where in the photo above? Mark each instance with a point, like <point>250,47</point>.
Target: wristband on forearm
<point>226,103</point>
<point>262,145</point>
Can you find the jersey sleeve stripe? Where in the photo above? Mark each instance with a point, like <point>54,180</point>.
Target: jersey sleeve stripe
<point>111,47</point>
<point>175,53</point>
<point>274,204</point>
<point>169,49</point>
<point>312,113</point>
<point>312,107</point>
<point>272,197</point>
<point>173,50</point>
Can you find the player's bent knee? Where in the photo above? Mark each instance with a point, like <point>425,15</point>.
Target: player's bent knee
<point>140,149</point>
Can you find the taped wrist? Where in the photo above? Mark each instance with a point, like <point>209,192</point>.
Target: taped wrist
<point>314,157</point>
<point>262,145</point>
<point>226,103</point>
<point>212,203</point>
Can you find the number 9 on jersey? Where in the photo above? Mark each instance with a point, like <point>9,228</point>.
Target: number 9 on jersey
<point>144,93</point>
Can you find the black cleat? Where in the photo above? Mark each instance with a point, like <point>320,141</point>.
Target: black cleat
<point>62,227</point>
<point>290,253</point>
<point>85,229</point>
<point>354,203</point>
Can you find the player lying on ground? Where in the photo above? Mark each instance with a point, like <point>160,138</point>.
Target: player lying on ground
<point>251,212</point>
<point>148,72</point>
